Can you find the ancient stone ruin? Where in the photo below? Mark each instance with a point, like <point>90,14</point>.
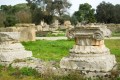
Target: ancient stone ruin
<point>89,52</point>
<point>27,31</point>
<point>12,53</point>
<point>11,48</point>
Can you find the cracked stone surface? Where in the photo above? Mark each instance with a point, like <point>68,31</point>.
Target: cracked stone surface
<point>89,52</point>
<point>11,48</point>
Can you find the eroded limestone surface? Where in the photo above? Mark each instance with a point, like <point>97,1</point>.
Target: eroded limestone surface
<point>89,52</point>
<point>11,48</point>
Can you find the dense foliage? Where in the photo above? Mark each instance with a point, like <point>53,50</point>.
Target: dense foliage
<point>85,13</point>
<point>10,15</point>
<point>10,21</point>
<point>108,13</point>
<point>46,10</point>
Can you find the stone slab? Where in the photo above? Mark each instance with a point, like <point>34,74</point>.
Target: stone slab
<point>10,52</point>
<point>11,56</point>
<point>102,63</point>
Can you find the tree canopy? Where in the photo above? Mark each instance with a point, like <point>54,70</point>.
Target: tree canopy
<point>108,13</point>
<point>10,15</point>
<point>85,13</point>
<point>51,7</point>
<point>47,9</point>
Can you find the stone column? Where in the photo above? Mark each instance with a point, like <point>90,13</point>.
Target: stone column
<point>89,52</point>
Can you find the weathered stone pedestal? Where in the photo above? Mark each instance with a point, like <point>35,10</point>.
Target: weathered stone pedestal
<point>89,53</point>
<point>11,48</point>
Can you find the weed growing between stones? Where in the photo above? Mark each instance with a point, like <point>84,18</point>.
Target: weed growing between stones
<point>25,73</point>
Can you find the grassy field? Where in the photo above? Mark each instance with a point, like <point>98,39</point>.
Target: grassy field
<point>50,50</point>
<point>116,34</point>
<point>114,46</point>
<point>55,50</point>
<point>9,73</point>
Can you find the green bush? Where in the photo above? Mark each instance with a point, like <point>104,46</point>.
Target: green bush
<point>10,21</point>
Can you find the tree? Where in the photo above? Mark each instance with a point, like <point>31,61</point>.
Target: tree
<point>74,20</point>
<point>37,16</point>
<point>23,16</point>
<point>116,13</point>
<point>8,9</point>
<point>14,13</point>
<point>85,13</point>
<point>37,10</point>
<point>2,18</point>
<point>61,6</point>
<point>51,7</point>
<point>64,17</point>
<point>105,12</point>
<point>10,21</point>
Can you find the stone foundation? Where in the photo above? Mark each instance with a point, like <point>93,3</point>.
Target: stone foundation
<point>91,62</point>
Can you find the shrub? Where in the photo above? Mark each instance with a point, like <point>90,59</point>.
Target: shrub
<point>10,21</point>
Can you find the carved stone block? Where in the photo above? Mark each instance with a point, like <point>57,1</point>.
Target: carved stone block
<point>89,52</point>
<point>10,48</point>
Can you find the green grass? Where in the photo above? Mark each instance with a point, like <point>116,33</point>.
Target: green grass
<point>116,34</point>
<point>49,50</point>
<point>9,73</point>
<point>55,50</point>
<point>114,46</point>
